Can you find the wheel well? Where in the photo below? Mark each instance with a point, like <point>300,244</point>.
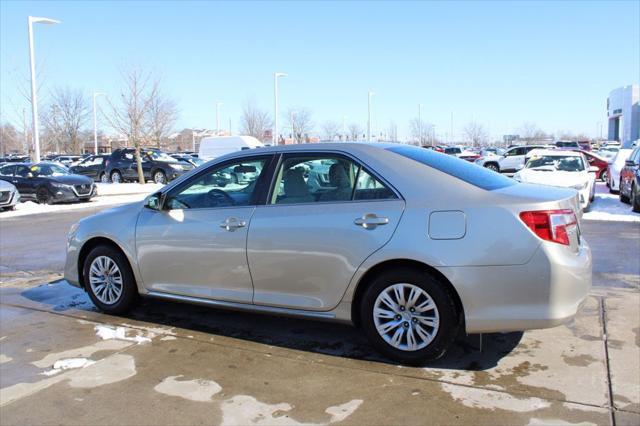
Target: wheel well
<point>364,282</point>
<point>113,171</point>
<point>495,163</point>
<point>86,249</point>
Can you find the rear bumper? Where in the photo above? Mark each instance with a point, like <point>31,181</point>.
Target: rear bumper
<point>544,293</point>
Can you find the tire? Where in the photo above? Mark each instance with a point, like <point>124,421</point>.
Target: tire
<point>635,199</point>
<point>493,166</point>
<point>109,300</point>
<point>103,178</point>
<point>603,176</point>
<point>623,198</point>
<point>116,176</point>
<point>43,196</point>
<point>159,177</point>
<point>428,287</point>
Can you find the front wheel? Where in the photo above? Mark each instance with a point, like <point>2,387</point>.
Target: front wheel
<point>116,176</point>
<point>109,280</point>
<point>604,177</point>
<point>104,178</point>
<point>635,199</point>
<point>409,316</point>
<point>43,196</point>
<point>160,177</point>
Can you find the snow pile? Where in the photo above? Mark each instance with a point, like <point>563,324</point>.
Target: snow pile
<point>127,188</point>
<point>29,207</point>
<point>608,207</point>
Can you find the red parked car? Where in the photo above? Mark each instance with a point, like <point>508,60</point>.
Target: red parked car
<point>596,161</point>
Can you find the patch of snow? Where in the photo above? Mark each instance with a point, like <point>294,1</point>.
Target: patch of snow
<point>29,207</point>
<point>487,399</point>
<point>83,352</point>
<point>107,332</point>
<point>4,358</point>
<point>127,188</point>
<point>340,412</point>
<point>165,338</point>
<point>194,390</point>
<point>556,422</point>
<point>608,207</point>
<point>246,410</point>
<point>68,364</point>
<point>112,369</point>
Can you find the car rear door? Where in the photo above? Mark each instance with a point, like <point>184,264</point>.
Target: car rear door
<point>196,245</point>
<point>512,159</point>
<point>306,243</point>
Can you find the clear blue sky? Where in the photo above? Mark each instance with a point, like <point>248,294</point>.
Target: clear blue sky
<point>498,63</point>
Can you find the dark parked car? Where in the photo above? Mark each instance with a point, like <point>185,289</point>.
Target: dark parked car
<point>596,161</point>
<point>158,166</point>
<point>630,180</point>
<point>47,183</point>
<point>93,167</point>
<point>567,145</point>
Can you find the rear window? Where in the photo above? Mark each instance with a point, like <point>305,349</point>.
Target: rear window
<point>461,169</point>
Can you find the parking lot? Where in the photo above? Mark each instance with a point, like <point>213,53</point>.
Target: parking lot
<point>64,362</point>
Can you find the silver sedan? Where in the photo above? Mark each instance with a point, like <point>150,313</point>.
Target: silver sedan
<point>411,245</point>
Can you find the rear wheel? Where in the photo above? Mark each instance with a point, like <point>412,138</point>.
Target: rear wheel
<point>623,197</point>
<point>635,198</point>
<point>104,178</point>
<point>409,316</point>
<point>109,280</point>
<point>116,176</point>
<point>603,176</point>
<point>492,166</point>
<point>43,196</point>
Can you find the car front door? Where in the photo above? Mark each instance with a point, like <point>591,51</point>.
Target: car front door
<point>511,160</point>
<point>25,182</point>
<point>196,244</point>
<point>307,242</point>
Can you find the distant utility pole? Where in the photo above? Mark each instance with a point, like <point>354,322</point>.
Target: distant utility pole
<point>451,132</point>
<point>275,101</point>
<point>218,105</point>
<point>95,123</point>
<point>369,115</point>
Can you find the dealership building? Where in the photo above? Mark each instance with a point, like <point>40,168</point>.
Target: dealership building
<point>623,113</point>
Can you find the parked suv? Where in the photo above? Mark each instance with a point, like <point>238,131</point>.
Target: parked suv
<point>511,161</point>
<point>93,167</point>
<point>630,180</point>
<point>156,165</point>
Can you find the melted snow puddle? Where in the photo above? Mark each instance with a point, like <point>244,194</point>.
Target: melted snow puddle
<point>245,409</point>
<point>107,332</point>
<point>487,399</point>
<point>68,364</point>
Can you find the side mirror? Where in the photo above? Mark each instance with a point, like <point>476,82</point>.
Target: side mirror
<point>29,175</point>
<point>155,202</point>
<point>593,169</point>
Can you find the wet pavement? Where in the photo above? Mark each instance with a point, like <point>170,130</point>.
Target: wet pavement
<point>63,362</point>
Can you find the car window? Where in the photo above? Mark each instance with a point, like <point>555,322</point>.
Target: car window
<point>460,169</point>
<point>331,178</point>
<point>22,171</point>
<point>556,162</point>
<point>232,184</point>
<point>128,156</point>
<point>7,170</point>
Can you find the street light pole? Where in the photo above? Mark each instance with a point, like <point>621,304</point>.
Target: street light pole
<point>293,127</point>
<point>218,105</point>
<point>95,123</point>
<point>344,127</point>
<point>420,124</point>
<point>275,100</point>
<point>369,119</point>
<point>193,140</point>
<point>34,100</point>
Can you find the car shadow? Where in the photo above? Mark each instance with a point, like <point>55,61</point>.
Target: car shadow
<point>469,352</point>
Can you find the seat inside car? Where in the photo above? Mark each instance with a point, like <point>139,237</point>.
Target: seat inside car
<point>295,188</point>
<point>340,180</point>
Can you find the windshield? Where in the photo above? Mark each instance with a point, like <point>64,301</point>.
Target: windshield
<point>555,162</point>
<point>461,169</point>
<point>48,170</point>
<point>159,156</point>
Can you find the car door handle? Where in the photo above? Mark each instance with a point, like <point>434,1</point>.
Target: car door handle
<point>233,223</point>
<point>371,221</point>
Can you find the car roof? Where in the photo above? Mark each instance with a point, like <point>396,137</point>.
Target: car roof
<point>555,152</point>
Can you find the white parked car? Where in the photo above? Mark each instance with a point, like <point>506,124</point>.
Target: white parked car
<point>9,196</point>
<point>567,169</point>
<point>510,161</point>
<point>615,166</point>
<point>218,146</point>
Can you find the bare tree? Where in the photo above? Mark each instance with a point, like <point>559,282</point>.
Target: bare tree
<point>420,131</point>
<point>355,131</point>
<point>10,140</point>
<point>530,133</point>
<point>330,130</point>
<point>66,115</point>
<point>129,115</point>
<point>301,123</point>
<point>254,121</point>
<point>392,132</point>
<point>475,133</point>
<point>161,116</point>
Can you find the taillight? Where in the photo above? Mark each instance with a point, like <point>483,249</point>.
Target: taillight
<point>551,225</point>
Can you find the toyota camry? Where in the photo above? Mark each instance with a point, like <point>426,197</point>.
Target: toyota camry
<point>411,245</point>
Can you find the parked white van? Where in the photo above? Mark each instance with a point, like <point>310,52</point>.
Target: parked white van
<point>215,147</point>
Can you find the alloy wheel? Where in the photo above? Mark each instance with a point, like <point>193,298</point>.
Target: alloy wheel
<point>116,177</point>
<point>105,279</point>
<point>159,177</point>
<point>492,167</point>
<point>406,317</point>
<point>104,178</point>
<point>42,196</point>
